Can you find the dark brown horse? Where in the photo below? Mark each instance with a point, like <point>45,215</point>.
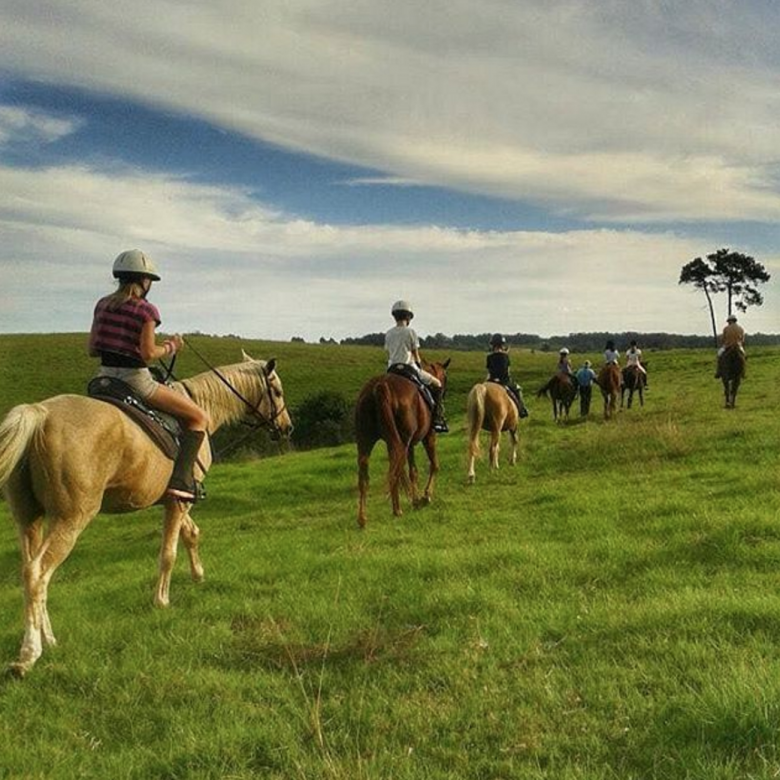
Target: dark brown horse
<point>731,366</point>
<point>609,382</point>
<point>562,390</point>
<point>391,407</point>
<point>634,381</point>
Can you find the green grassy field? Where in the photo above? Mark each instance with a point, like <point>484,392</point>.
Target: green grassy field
<point>608,608</point>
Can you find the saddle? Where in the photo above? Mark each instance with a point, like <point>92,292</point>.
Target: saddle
<point>162,429</point>
<point>408,372</point>
<point>514,396</point>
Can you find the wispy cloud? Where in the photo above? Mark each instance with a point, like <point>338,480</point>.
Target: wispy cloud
<point>19,124</point>
<point>639,111</point>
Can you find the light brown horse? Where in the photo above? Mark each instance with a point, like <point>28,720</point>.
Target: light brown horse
<point>609,382</point>
<point>391,408</point>
<point>67,458</point>
<point>562,390</point>
<point>490,408</point>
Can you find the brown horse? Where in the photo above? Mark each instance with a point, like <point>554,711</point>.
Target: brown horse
<point>634,381</point>
<point>562,390</point>
<point>391,407</point>
<point>731,366</point>
<point>490,408</point>
<point>609,382</point>
<point>67,458</point>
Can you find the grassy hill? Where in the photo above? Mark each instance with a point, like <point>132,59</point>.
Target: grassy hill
<point>608,608</point>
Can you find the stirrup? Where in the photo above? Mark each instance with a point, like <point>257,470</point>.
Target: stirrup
<point>440,426</point>
<point>188,494</point>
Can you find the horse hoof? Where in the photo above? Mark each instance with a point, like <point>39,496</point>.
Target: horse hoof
<point>17,670</point>
<point>471,479</point>
<point>421,502</point>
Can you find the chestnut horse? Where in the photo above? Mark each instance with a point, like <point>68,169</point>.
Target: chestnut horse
<point>562,390</point>
<point>489,407</point>
<point>634,381</point>
<point>391,407</point>
<point>731,366</point>
<point>609,382</point>
<point>69,457</point>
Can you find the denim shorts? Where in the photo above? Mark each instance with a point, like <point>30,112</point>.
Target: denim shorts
<point>140,379</point>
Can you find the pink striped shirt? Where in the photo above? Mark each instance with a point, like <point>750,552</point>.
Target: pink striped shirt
<point>118,330</point>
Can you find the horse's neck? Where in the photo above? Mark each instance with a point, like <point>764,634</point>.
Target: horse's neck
<point>221,404</point>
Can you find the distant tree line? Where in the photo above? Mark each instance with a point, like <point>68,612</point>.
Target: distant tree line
<point>576,342</point>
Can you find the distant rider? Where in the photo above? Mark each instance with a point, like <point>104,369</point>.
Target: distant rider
<point>403,348</point>
<point>733,336</point>
<point>122,336</point>
<point>497,364</point>
<point>634,359</point>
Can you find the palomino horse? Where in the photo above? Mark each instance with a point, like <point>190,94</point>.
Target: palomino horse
<point>562,390</point>
<point>634,381</point>
<point>67,458</point>
<point>609,382</point>
<point>391,407</point>
<point>731,366</point>
<point>489,407</point>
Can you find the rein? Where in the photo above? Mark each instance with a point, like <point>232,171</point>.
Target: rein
<point>264,421</point>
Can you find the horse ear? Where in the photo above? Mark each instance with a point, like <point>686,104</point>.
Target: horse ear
<point>246,358</point>
<point>270,367</point>
<point>446,363</point>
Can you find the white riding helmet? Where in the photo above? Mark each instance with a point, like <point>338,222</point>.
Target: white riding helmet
<point>731,318</point>
<point>402,307</point>
<point>564,351</point>
<point>134,264</point>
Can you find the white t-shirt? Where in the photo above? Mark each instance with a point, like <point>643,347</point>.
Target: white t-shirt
<point>632,356</point>
<point>400,342</point>
<point>611,356</point>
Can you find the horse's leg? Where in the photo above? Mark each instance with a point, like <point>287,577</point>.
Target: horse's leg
<point>513,437</point>
<point>413,486</point>
<point>472,475</point>
<point>40,558</point>
<point>174,517</point>
<point>364,447</point>
<point>190,536</point>
<point>429,442</point>
<point>495,443</point>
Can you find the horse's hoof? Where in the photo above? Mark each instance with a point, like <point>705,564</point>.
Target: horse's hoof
<point>421,502</point>
<point>471,479</point>
<point>17,670</point>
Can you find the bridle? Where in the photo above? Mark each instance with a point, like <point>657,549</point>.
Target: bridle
<point>267,422</point>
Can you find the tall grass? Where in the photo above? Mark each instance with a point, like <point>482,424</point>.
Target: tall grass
<point>607,608</point>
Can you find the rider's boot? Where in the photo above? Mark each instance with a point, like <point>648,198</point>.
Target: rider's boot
<point>439,421</point>
<point>182,485</point>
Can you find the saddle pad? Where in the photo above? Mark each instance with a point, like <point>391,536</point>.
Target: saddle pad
<point>121,395</point>
<point>408,372</point>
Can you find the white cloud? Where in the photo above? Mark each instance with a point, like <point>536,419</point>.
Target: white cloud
<point>231,265</point>
<point>20,124</point>
<point>614,110</point>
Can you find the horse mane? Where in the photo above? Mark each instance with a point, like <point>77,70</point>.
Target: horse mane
<point>221,403</point>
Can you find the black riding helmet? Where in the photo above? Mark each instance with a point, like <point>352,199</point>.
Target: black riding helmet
<point>497,340</point>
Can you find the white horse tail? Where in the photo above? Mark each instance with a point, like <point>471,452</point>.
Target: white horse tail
<point>475,412</point>
<point>16,433</point>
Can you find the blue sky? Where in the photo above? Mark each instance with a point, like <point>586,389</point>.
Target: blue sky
<point>294,167</point>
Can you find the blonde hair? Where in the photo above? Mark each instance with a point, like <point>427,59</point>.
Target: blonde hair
<point>126,290</point>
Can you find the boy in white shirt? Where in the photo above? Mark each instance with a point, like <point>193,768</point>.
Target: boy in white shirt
<point>402,346</point>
